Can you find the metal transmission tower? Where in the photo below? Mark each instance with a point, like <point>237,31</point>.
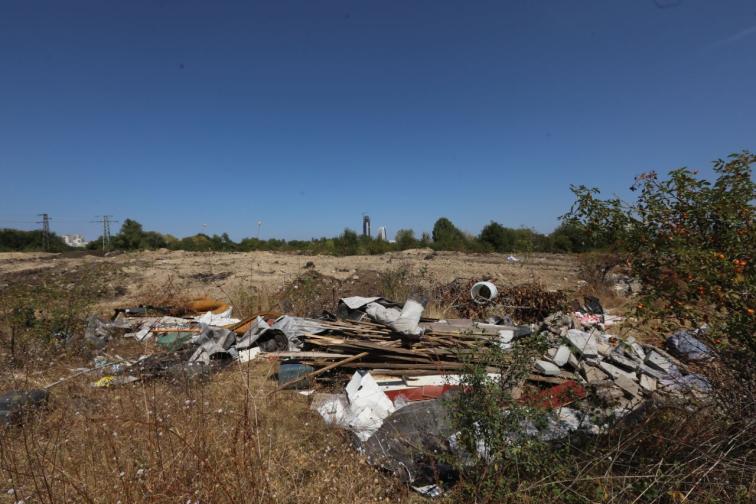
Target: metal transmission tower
<point>106,221</point>
<point>45,230</point>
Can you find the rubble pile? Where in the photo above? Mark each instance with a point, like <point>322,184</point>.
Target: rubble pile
<point>399,368</point>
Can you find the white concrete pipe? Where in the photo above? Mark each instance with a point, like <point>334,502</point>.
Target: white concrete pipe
<point>483,292</point>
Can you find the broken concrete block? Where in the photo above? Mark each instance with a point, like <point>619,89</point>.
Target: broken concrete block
<point>656,361</point>
<point>639,352</point>
<point>624,362</point>
<point>592,374</point>
<point>626,406</point>
<point>546,368</point>
<point>573,361</point>
<point>648,383</point>
<point>648,370</point>
<point>562,355</point>
<point>604,349</point>
<point>616,372</point>
<point>583,342</point>
<point>628,385</point>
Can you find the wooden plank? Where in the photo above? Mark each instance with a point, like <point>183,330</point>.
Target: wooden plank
<point>306,355</point>
<point>398,365</point>
<point>321,371</point>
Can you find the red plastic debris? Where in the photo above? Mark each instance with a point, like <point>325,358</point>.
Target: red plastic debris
<point>556,396</point>
<point>423,393</point>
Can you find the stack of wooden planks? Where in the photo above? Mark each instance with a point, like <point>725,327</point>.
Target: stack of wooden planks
<point>443,348</point>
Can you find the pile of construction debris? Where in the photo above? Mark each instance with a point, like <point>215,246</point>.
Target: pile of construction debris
<point>398,367</point>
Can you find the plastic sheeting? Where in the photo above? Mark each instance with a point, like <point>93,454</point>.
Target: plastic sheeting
<point>214,343</point>
<point>217,319</point>
<point>363,409</point>
<point>292,327</point>
<point>685,345</point>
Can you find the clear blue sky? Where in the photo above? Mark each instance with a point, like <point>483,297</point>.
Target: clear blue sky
<point>306,114</point>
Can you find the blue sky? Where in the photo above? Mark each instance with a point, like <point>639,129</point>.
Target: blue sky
<point>307,114</point>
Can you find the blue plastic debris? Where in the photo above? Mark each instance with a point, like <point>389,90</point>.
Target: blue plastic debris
<point>685,345</point>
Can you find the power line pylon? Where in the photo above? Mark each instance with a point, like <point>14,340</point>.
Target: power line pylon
<point>45,231</point>
<point>106,221</point>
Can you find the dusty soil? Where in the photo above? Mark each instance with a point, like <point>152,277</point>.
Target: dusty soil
<point>216,274</point>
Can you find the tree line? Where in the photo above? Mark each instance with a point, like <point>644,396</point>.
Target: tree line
<point>568,237</point>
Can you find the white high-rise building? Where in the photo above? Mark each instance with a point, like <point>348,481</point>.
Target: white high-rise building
<point>74,240</point>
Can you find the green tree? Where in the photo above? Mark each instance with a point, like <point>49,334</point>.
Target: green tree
<point>130,236</point>
<point>347,243</point>
<point>501,239</point>
<point>691,243</point>
<point>446,236</point>
<point>405,239</point>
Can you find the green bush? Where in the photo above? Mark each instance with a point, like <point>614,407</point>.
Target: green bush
<point>691,243</point>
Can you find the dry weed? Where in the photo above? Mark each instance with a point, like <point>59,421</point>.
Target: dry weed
<point>227,441</point>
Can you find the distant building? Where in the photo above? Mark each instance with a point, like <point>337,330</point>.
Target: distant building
<point>365,225</point>
<point>74,240</point>
<point>381,235</point>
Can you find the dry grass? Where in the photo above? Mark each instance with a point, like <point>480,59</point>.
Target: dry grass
<point>224,441</point>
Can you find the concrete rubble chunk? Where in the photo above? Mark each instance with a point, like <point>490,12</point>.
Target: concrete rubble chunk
<point>546,368</point>
<point>624,362</point>
<point>604,349</point>
<point>616,372</point>
<point>648,383</point>
<point>626,406</point>
<point>639,352</point>
<point>573,361</point>
<point>584,343</point>
<point>649,371</point>
<point>592,374</point>
<point>561,356</point>
<point>655,360</point>
<point>628,385</point>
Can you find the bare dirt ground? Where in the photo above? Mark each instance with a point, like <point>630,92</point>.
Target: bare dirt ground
<point>216,274</point>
